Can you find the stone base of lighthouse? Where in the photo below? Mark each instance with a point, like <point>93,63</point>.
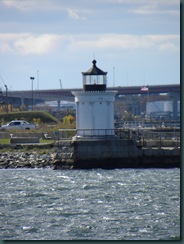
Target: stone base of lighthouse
<point>95,113</point>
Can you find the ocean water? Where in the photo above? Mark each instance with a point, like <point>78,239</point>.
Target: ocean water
<point>123,204</point>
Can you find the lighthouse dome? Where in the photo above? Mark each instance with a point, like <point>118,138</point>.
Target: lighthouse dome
<point>94,79</point>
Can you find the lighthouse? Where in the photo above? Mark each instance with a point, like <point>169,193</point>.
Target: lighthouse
<point>94,104</point>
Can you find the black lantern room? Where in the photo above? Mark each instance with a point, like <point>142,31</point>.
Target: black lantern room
<point>94,79</point>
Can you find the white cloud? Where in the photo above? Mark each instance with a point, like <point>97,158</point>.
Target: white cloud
<point>35,44</point>
<point>168,46</point>
<point>26,43</point>
<point>75,9</point>
<point>46,5</point>
<point>20,5</point>
<point>30,5</point>
<point>155,8</point>
<point>150,7</point>
<point>75,14</point>
<point>146,10</point>
<point>166,2</point>
<point>118,41</point>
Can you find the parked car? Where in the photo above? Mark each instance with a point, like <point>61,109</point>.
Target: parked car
<point>18,125</point>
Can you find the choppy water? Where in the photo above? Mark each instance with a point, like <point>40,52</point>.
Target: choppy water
<point>125,204</point>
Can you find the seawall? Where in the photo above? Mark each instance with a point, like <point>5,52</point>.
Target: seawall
<point>115,153</point>
<point>88,154</point>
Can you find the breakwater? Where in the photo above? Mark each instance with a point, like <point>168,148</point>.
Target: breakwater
<point>110,154</point>
<point>88,154</point>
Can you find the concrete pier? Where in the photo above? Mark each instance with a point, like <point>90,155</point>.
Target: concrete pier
<point>114,153</point>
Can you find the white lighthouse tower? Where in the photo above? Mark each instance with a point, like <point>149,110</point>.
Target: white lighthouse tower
<point>94,105</point>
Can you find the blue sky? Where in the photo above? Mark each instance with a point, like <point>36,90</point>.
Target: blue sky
<point>136,40</point>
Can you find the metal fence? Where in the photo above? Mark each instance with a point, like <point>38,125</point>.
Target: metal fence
<point>141,136</point>
<point>159,139</point>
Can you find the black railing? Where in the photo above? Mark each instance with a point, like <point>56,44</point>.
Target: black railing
<point>142,137</point>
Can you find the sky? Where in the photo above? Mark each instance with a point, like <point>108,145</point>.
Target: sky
<point>136,41</point>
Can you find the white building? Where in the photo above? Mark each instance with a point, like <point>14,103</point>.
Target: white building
<point>94,105</point>
<point>63,105</point>
<point>159,106</point>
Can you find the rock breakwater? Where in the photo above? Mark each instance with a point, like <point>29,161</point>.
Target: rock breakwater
<point>91,154</point>
<point>25,160</point>
<point>14,160</point>
<point>33,156</point>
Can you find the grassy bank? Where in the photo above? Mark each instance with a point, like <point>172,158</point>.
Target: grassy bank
<point>7,141</point>
<point>47,122</point>
<point>30,116</point>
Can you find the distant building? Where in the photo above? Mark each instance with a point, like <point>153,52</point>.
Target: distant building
<point>159,108</point>
<point>62,106</point>
<point>53,105</point>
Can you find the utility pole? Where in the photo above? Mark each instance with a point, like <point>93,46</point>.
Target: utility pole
<point>32,78</point>
<point>6,93</point>
<point>61,85</point>
<point>6,98</point>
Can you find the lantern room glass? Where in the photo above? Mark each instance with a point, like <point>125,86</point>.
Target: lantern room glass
<point>94,79</point>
